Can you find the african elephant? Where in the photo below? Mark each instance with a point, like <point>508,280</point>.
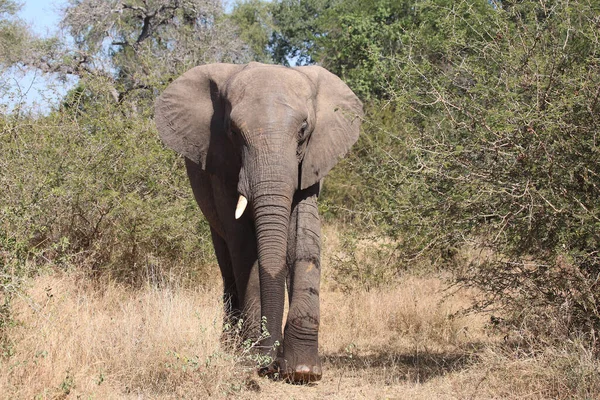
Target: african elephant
<point>264,136</point>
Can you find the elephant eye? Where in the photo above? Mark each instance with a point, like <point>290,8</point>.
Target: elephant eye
<point>302,130</point>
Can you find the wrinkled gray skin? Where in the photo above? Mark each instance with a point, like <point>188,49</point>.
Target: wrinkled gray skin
<point>271,134</point>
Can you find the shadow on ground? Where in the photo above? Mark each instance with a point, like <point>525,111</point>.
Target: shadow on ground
<point>395,367</point>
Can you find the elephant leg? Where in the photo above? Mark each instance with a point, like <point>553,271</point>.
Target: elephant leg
<point>245,269</point>
<point>231,300</point>
<point>235,247</point>
<point>301,361</point>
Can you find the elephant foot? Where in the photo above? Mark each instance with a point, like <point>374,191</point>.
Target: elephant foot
<point>299,361</point>
<point>271,371</point>
<point>300,374</point>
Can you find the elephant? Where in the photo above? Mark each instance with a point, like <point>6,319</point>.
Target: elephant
<point>258,140</point>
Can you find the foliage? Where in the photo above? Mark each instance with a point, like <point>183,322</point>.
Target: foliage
<point>13,33</point>
<point>135,47</point>
<point>485,156</point>
<point>349,37</point>
<point>254,20</point>
<point>360,37</point>
<point>90,187</point>
<point>298,24</point>
<point>147,42</point>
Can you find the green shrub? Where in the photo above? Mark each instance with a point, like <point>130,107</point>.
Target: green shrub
<point>91,187</point>
<point>486,156</point>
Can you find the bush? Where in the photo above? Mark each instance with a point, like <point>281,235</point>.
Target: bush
<point>90,187</point>
<point>486,154</point>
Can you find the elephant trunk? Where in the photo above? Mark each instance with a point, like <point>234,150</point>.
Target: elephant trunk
<point>272,190</point>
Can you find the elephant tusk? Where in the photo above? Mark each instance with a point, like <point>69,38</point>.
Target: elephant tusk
<point>241,206</point>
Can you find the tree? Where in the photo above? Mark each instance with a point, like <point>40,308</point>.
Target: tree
<point>487,143</point>
<point>480,135</point>
<point>13,33</point>
<point>360,38</point>
<point>254,21</point>
<point>298,25</point>
<point>353,39</point>
<point>136,46</point>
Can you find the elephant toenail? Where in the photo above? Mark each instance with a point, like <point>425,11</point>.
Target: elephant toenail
<point>303,369</point>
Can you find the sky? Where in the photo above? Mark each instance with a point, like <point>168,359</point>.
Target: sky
<point>43,18</point>
<point>42,15</point>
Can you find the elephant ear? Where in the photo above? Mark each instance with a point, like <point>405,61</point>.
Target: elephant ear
<point>337,123</point>
<point>189,115</point>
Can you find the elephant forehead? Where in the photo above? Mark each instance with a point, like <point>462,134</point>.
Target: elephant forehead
<point>268,113</point>
<point>259,82</point>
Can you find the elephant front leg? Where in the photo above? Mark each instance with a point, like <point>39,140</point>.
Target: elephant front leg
<point>300,359</point>
<point>230,296</point>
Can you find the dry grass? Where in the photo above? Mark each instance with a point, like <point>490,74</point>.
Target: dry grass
<point>75,339</point>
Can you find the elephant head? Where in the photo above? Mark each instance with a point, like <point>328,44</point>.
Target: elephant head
<point>270,130</point>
